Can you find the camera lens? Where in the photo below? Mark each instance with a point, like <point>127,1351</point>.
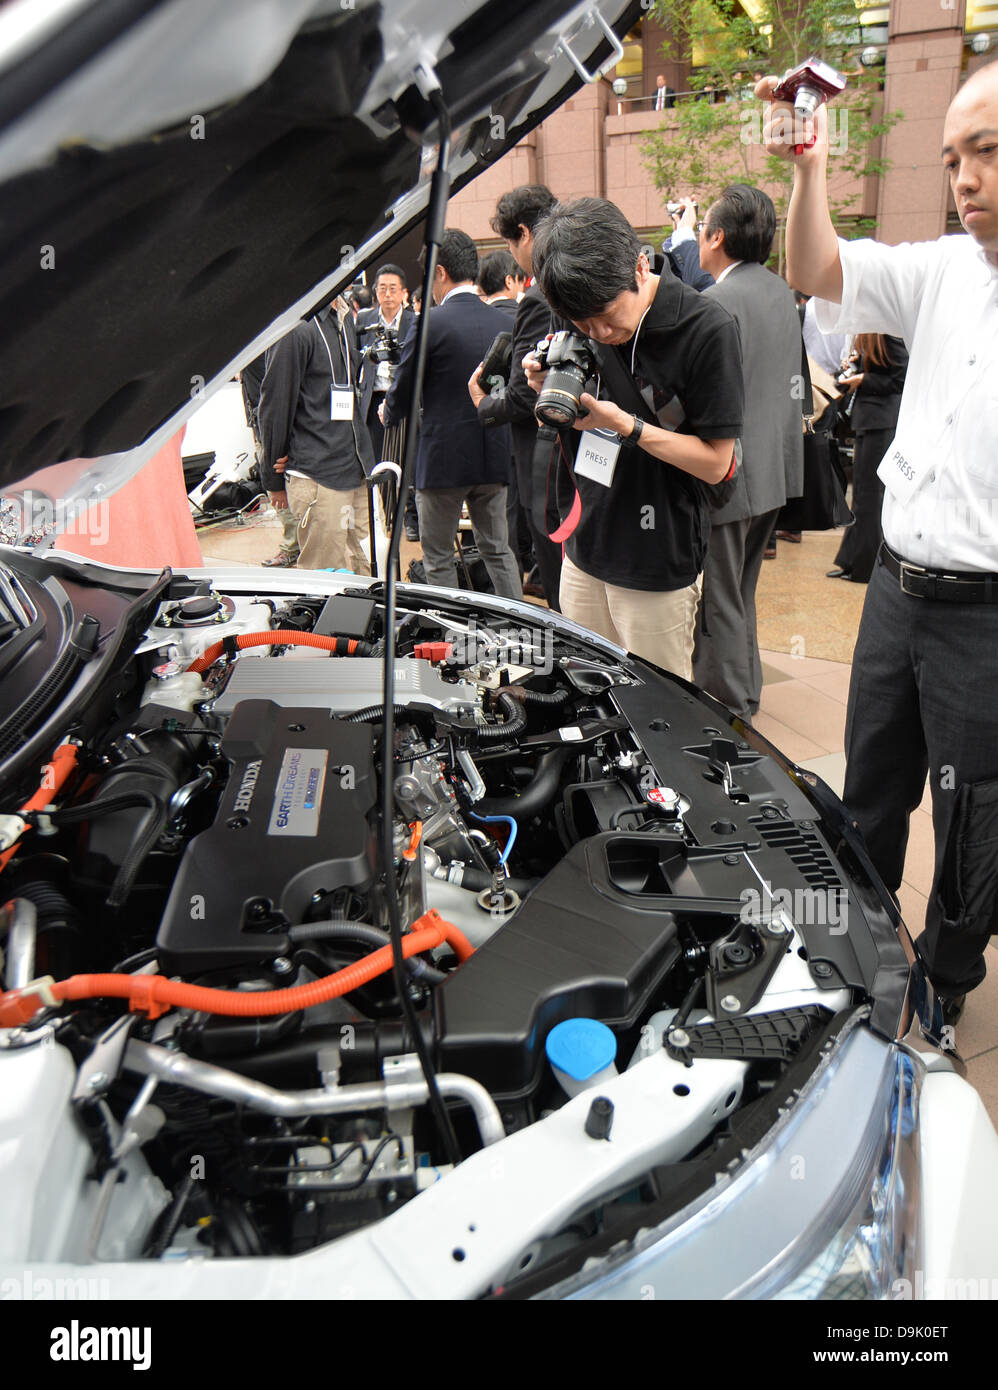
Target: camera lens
<point>558,404</point>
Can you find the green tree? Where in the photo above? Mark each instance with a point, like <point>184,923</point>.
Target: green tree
<point>706,144</point>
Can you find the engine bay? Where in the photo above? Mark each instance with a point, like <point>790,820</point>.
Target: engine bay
<point>596,874</point>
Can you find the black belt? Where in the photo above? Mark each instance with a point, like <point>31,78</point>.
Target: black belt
<point>948,586</point>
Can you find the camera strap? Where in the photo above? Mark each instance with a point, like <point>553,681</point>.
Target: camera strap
<point>551,440</point>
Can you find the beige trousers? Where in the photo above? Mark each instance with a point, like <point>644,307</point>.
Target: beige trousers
<point>332,526</point>
<point>655,625</point>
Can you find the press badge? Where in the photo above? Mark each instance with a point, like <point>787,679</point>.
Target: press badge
<point>901,471</point>
<point>597,456</point>
<point>340,403</point>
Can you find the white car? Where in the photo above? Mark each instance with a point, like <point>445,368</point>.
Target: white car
<point>649,1038</point>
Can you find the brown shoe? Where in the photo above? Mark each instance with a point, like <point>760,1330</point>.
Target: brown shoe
<point>769,553</point>
<point>792,536</point>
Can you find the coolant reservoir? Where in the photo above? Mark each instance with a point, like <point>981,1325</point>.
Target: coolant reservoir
<point>174,686</point>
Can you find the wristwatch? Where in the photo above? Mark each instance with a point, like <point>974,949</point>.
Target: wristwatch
<point>635,433</point>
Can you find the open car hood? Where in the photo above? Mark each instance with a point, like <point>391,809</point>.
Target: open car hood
<point>180,183</point>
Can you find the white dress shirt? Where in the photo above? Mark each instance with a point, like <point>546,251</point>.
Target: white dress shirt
<point>941,297</point>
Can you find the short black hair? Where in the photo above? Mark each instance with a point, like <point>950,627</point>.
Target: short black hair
<point>585,254</point>
<point>360,295</point>
<point>458,255</point>
<point>389,269</point>
<point>747,218</point>
<point>493,269</point>
<point>523,206</point>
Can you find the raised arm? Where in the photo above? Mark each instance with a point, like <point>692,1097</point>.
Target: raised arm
<point>813,264</point>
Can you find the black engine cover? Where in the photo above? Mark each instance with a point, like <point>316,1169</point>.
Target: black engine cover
<point>292,821</point>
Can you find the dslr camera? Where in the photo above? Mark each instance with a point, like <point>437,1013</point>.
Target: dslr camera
<point>570,365</point>
<point>385,347</point>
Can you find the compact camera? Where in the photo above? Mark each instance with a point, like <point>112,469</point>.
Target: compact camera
<point>809,85</point>
<point>570,365</point>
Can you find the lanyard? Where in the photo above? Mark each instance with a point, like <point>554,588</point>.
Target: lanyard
<point>346,358</point>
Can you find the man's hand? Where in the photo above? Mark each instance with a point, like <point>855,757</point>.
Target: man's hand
<point>687,219</point>
<point>783,128</point>
<point>474,390</point>
<point>281,464</point>
<point>534,373</point>
<point>381,412</point>
<point>279,501</point>
<point>603,415</point>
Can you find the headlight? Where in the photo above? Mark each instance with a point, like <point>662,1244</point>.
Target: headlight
<point>826,1206</point>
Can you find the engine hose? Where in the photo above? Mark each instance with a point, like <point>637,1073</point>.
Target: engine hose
<point>374,714</point>
<point>54,776</point>
<point>91,810</point>
<point>541,697</point>
<point>154,994</point>
<point>282,637</point>
<point>538,792</point>
<point>370,936</point>
<point>514,723</point>
<point>140,847</point>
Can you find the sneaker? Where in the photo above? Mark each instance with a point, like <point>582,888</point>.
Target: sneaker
<point>411,530</point>
<point>282,561</point>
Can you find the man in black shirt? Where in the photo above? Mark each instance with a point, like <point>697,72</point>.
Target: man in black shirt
<point>670,358</point>
<point>313,442</point>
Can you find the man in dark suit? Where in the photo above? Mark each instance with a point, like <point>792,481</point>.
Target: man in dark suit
<point>457,461</point>
<point>735,241</point>
<point>501,281</point>
<point>516,215</point>
<point>392,315</point>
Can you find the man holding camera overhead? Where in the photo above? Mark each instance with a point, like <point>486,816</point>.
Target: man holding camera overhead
<point>670,409</point>
<point>922,693</point>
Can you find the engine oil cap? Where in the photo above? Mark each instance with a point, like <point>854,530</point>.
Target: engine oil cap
<point>581,1052</point>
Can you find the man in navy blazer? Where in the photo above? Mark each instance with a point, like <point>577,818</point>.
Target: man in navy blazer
<point>457,461</point>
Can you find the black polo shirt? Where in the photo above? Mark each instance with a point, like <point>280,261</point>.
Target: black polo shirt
<point>649,529</point>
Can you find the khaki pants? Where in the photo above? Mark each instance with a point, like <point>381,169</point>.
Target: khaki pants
<point>655,625</point>
<point>332,526</point>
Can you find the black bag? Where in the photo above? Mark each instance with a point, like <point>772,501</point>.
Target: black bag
<point>472,572</point>
<point>823,505</point>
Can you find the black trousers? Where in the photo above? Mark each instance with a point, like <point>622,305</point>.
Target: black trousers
<point>858,552</point>
<point>922,699</point>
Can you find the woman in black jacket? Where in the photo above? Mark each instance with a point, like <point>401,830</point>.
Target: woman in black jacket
<point>878,382</point>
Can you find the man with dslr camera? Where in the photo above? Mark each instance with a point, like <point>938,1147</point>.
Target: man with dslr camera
<point>670,361</point>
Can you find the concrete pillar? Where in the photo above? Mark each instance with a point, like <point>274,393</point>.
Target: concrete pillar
<point>924,62</point>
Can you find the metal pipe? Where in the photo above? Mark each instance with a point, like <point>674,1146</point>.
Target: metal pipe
<point>402,1090</point>
<point>22,932</point>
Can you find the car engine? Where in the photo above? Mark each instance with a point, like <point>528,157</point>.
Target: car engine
<point>201,1031</point>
